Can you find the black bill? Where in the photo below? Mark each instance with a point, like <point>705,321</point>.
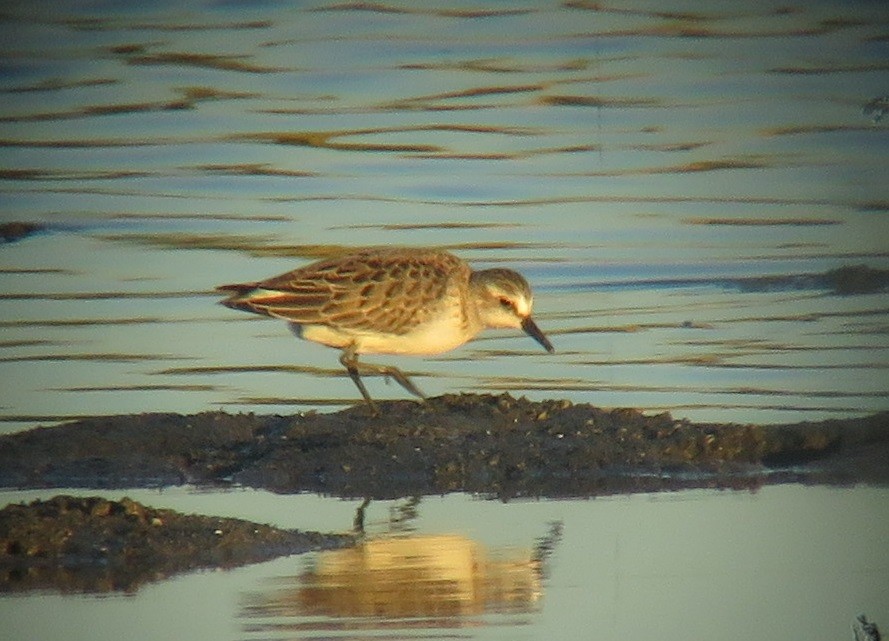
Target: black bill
<point>534,332</point>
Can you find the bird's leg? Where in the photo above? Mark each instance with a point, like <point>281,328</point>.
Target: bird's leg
<point>399,376</point>
<point>349,359</point>
<point>358,521</point>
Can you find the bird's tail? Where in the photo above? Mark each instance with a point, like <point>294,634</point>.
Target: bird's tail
<point>238,296</point>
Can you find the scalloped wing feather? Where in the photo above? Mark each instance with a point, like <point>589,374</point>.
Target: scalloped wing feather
<point>392,289</point>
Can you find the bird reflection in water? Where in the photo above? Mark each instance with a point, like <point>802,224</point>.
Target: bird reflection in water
<point>420,580</point>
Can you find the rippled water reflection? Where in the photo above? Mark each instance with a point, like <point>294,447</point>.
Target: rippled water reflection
<point>642,164</point>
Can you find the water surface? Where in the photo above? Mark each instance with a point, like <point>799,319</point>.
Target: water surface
<point>784,562</point>
<point>639,164</point>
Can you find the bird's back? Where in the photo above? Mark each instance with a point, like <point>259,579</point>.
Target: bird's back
<point>375,290</point>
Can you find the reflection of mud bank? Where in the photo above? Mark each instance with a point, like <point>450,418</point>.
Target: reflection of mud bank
<point>97,545</point>
<point>848,280</point>
<point>493,445</point>
<point>11,232</point>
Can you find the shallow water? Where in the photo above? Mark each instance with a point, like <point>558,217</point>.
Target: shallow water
<point>636,163</point>
<point>644,165</point>
<point>784,562</point>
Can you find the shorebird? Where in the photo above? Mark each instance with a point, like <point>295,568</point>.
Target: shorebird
<point>418,302</point>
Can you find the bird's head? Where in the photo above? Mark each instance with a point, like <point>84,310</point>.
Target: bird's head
<point>505,301</point>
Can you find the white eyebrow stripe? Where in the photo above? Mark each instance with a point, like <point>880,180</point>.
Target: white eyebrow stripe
<point>523,307</point>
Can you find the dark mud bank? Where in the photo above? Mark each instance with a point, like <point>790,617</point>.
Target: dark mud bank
<point>493,445</point>
<point>96,545</point>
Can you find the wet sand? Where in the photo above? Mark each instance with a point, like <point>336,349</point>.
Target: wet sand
<point>495,446</point>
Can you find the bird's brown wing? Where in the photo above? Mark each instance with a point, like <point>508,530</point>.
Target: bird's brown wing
<point>390,290</point>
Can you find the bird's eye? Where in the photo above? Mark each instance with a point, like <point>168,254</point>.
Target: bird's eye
<point>505,303</point>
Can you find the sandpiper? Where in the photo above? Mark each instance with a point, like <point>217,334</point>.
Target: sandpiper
<point>391,301</point>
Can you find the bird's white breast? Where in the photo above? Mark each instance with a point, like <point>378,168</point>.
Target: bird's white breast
<point>437,336</point>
